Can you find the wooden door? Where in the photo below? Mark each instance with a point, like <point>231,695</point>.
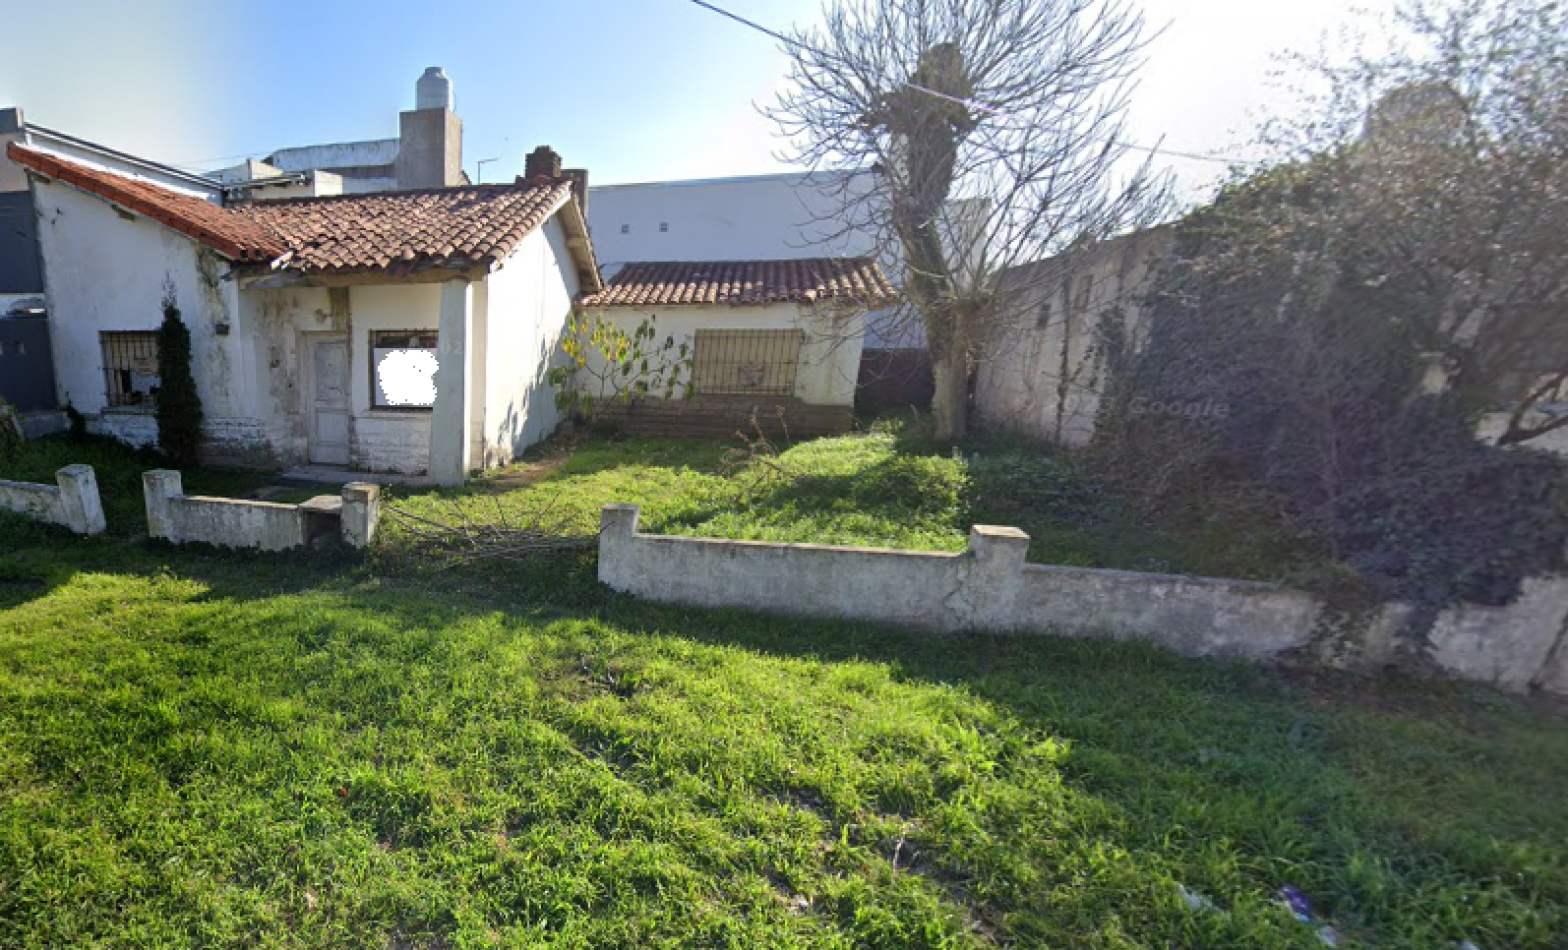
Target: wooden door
<point>328,400</point>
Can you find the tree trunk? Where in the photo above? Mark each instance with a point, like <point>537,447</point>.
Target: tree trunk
<point>950,402</point>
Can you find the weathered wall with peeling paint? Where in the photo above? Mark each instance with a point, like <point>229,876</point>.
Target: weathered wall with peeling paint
<point>990,587</point>
<point>282,323</point>
<point>276,322</point>
<point>831,346</point>
<point>387,440</point>
<point>107,271</point>
<point>1044,367</point>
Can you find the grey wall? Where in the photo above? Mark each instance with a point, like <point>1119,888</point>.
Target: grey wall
<point>430,150</point>
<point>20,272</point>
<point>26,363</point>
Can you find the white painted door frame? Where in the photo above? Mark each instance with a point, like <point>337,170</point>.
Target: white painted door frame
<point>327,397</point>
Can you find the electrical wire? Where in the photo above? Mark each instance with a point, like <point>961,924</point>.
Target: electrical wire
<point>967,103</point>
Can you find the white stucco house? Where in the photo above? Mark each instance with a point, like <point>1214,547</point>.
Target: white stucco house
<point>792,216</point>
<point>316,322</point>
<point>768,339</point>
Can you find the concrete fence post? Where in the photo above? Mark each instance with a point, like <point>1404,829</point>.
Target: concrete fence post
<point>79,502</point>
<point>361,513</point>
<point>159,487</point>
<point>991,585</point>
<point>617,527</point>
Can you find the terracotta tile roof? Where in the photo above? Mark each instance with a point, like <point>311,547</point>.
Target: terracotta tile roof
<point>391,232</point>
<point>403,231</point>
<point>740,283</point>
<point>234,237</point>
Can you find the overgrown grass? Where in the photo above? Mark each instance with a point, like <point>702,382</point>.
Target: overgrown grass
<point>216,749</point>
<point>119,474</point>
<point>884,489</point>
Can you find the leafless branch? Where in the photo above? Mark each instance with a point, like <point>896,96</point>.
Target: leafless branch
<point>988,134</point>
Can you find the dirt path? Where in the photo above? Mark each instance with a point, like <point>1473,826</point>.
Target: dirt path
<point>521,474</point>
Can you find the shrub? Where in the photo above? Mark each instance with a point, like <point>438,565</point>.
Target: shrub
<point>179,405</point>
<point>1319,364</point>
<point>77,422</point>
<point>11,437</point>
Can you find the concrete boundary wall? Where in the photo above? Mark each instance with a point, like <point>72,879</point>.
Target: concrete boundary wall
<point>262,525</point>
<point>72,501</point>
<point>990,587</point>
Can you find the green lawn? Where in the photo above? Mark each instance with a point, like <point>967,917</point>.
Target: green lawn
<point>209,749</point>
<point>883,489</point>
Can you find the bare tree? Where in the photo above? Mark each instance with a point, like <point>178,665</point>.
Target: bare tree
<point>997,131</point>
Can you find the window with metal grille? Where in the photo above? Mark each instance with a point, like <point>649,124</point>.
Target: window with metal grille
<point>760,362</point>
<point>130,368</point>
<point>402,369</point>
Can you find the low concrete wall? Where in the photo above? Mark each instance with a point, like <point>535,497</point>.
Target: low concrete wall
<point>990,587</point>
<point>262,525</point>
<point>36,425</point>
<point>1197,616</point>
<point>72,501</point>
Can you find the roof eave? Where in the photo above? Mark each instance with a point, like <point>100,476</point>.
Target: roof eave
<point>42,166</point>
<point>580,243</point>
<point>869,303</point>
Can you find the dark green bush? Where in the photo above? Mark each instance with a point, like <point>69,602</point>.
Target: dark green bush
<point>179,405</point>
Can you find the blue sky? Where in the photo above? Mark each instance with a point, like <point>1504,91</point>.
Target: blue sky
<point>635,90</point>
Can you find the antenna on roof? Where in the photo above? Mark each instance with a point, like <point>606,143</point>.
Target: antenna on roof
<point>479,166</point>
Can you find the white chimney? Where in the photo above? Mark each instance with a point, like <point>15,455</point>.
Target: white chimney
<point>430,139</point>
<point>433,91</point>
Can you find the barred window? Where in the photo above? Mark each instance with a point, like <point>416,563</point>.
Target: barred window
<point>402,369</point>
<point>130,368</point>
<point>1042,317</point>
<point>1085,285</point>
<point>759,362</point>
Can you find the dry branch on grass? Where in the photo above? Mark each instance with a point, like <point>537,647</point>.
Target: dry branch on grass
<point>760,459</point>
<point>462,530</point>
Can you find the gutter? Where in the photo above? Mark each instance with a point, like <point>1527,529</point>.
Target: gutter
<point>104,150</point>
<point>222,188</point>
<point>251,184</point>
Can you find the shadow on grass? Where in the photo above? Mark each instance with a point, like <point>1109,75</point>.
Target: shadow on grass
<point>1229,766</point>
<point>590,457</point>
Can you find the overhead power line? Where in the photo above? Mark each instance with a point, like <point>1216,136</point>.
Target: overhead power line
<point>967,103</point>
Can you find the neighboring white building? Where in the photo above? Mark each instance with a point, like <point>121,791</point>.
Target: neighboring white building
<point>766,338</point>
<point>756,218</point>
<point>787,216</point>
<point>302,311</point>
<point>428,152</point>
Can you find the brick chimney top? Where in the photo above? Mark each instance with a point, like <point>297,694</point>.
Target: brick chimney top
<point>542,162</point>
